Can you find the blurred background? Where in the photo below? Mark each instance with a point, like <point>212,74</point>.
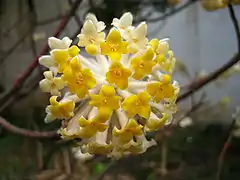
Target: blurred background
<point>203,38</point>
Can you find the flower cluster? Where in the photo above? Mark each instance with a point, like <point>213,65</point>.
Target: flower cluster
<point>212,5</point>
<point>109,101</point>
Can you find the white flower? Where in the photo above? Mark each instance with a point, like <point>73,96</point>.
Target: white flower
<point>137,38</point>
<point>49,63</point>
<point>99,25</point>
<point>51,84</point>
<point>55,43</point>
<point>80,155</point>
<point>90,37</point>
<point>124,24</point>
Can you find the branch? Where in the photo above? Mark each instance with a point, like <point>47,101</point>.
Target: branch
<point>25,132</point>
<point>195,86</point>
<point>10,50</point>
<point>173,12</point>
<point>235,24</point>
<point>229,138</point>
<point>19,82</point>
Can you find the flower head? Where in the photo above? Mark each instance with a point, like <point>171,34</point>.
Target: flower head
<point>111,100</point>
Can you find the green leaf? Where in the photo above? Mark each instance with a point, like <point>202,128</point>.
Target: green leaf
<point>151,177</point>
<point>99,167</point>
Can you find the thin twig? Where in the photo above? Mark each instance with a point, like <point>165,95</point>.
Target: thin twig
<point>10,50</point>
<point>230,135</point>
<point>235,24</point>
<point>171,13</point>
<point>76,17</point>
<point>197,85</point>
<point>19,82</point>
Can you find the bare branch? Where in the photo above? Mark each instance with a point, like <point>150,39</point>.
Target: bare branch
<point>26,132</point>
<point>197,85</point>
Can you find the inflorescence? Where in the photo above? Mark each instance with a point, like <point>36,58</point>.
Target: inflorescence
<point>110,100</point>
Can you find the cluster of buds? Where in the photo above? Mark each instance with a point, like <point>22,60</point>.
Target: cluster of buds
<point>212,5</point>
<point>121,90</point>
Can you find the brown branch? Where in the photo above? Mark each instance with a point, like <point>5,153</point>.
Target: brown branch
<point>195,86</point>
<point>10,50</point>
<point>19,82</point>
<point>25,132</point>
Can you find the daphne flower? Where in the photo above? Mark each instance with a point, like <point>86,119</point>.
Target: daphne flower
<point>59,110</point>
<point>100,26</point>
<point>137,38</point>
<point>91,34</point>
<point>78,80</point>
<point>143,64</point>
<point>114,46</point>
<point>51,84</point>
<point>55,43</point>
<point>62,57</point>
<point>108,97</point>
<point>124,24</point>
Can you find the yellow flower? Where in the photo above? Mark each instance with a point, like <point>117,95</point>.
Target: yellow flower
<point>118,75</point>
<point>106,100</point>
<point>161,49</point>
<point>161,90</point>
<point>211,5</point>
<point>78,80</point>
<point>142,65</point>
<point>154,123</point>
<point>114,46</point>
<point>164,56</point>
<point>59,110</point>
<point>97,148</point>
<point>137,104</point>
<point>90,127</point>
<point>63,56</point>
<point>126,134</point>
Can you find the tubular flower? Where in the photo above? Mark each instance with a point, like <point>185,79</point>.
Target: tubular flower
<point>124,24</point>
<point>140,103</point>
<point>118,75</point>
<point>114,46</point>
<point>112,100</point>
<point>78,80</point>
<point>63,57</point>
<point>137,38</point>
<point>91,34</point>
<point>161,90</point>
<point>164,56</point>
<point>59,110</point>
<point>142,65</point>
<point>51,84</point>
